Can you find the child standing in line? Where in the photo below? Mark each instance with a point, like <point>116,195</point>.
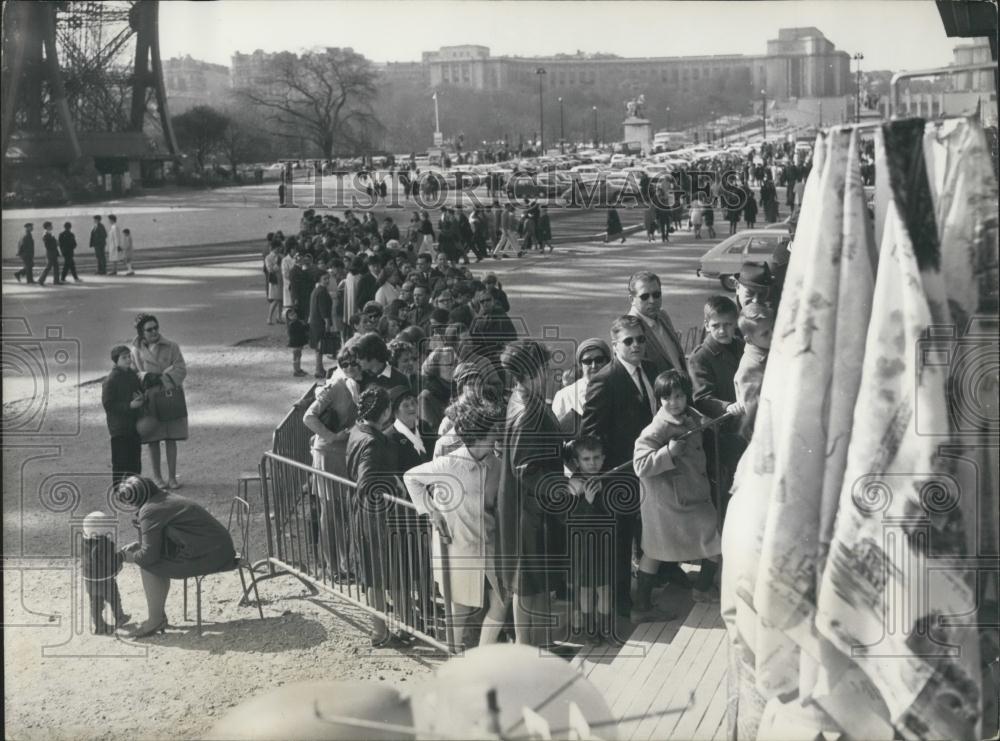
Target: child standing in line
<point>756,322</point>
<point>101,562</point>
<point>298,337</point>
<point>122,398</point>
<point>127,250</point>
<point>679,522</point>
<point>591,528</point>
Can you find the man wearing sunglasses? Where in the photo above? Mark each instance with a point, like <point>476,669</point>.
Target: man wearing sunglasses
<point>620,402</point>
<point>664,350</point>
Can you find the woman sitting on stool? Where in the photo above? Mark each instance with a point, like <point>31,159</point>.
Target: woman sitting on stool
<point>178,539</point>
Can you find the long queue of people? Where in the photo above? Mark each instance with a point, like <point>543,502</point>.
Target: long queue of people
<point>415,412</point>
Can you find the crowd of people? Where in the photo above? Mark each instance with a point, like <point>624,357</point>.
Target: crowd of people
<point>434,383</point>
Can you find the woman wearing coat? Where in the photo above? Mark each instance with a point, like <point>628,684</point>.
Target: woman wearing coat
<point>614,226</point>
<point>531,480</point>
<point>750,209</point>
<point>372,465</point>
<point>321,322</point>
<point>178,539</point>
<point>679,521</point>
<point>769,199</point>
<point>331,417</point>
<point>469,523</point>
<point>161,367</point>
<point>275,284</point>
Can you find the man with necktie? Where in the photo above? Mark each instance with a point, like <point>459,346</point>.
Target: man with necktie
<point>663,344</point>
<point>619,404</point>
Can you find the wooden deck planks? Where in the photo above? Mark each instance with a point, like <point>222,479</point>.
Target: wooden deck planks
<point>679,679</point>
<point>643,693</point>
<point>657,669</point>
<point>687,724</point>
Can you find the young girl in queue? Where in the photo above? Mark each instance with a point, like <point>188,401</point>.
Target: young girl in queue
<point>679,521</point>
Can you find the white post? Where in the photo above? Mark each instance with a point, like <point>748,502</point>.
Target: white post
<point>437,121</point>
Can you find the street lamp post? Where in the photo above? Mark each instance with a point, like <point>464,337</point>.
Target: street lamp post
<point>595,125</point>
<point>666,122</point>
<point>763,114</point>
<point>562,126</point>
<point>541,112</point>
<point>857,84</point>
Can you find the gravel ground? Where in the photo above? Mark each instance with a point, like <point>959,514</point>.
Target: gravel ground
<point>61,682</point>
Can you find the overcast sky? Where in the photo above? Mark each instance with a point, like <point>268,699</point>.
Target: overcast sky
<point>892,34</point>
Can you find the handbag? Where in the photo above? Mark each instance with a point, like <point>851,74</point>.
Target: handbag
<point>272,278</point>
<point>168,404</point>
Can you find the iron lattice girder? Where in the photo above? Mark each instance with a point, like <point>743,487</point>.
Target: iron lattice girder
<point>101,68</point>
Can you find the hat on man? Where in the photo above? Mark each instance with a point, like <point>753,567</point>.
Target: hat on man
<point>755,275</point>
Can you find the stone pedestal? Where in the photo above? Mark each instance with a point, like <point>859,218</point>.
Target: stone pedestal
<point>639,130</point>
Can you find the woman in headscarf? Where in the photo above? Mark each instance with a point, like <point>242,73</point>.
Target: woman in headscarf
<point>592,355</point>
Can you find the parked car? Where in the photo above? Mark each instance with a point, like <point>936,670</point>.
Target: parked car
<point>725,259</point>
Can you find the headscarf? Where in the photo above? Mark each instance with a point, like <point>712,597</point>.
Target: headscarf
<point>594,343</point>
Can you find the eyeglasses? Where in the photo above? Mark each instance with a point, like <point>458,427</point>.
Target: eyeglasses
<point>647,296</point>
<point>639,339</point>
<point>151,329</point>
<point>350,364</point>
<point>595,360</point>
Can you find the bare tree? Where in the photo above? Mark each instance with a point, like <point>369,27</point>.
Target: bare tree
<point>324,95</point>
<point>202,131</point>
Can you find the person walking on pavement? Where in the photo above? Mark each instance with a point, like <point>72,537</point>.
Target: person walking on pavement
<point>67,246</point>
<point>544,230</point>
<point>114,243</point>
<point>98,241</point>
<point>51,256</point>
<point>26,251</point>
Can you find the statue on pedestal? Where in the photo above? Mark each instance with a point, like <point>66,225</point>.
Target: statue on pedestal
<point>634,108</point>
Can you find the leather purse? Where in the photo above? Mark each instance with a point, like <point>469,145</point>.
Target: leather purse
<point>168,404</point>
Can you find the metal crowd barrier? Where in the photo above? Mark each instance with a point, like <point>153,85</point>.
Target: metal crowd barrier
<point>291,437</point>
<point>321,532</point>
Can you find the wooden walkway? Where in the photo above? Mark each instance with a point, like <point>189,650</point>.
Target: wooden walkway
<point>679,666</point>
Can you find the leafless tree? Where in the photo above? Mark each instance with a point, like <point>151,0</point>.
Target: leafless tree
<point>323,95</point>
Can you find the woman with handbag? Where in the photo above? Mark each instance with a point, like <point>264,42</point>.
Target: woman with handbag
<point>162,371</point>
<point>178,539</point>
<point>321,336</point>
<point>331,417</point>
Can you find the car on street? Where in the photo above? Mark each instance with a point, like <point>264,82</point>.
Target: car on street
<point>725,259</point>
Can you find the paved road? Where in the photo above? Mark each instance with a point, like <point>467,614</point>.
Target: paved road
<point>578,289</point>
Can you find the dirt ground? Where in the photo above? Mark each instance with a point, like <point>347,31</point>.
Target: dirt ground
<point>61,682</point>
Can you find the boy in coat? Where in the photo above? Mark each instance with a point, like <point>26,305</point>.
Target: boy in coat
<point>713,370</point>
<point>122,398</point>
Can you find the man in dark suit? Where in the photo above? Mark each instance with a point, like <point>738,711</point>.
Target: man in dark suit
<point>663,345</point>
<point>368,284</point>
<point>98,242</point>
<point>620,403</point>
